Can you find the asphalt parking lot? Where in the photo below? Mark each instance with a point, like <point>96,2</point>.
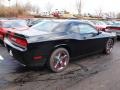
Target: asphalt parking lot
<point>97,72</point>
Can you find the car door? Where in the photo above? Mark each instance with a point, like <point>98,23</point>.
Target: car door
<point>92,38</point>
<point>86,39</point>
<point>78,43</point>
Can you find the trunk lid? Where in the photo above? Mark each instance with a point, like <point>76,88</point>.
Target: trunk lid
<point>30,32</point>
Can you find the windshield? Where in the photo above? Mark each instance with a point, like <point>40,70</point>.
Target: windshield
<point>94,22</point>
<point>14,24</point>
<point>117,23</point>
<point>108,22</point>
<point>47,26</point>
<point>100,23</point>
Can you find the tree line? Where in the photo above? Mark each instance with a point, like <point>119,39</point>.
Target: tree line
<point>17,10</point>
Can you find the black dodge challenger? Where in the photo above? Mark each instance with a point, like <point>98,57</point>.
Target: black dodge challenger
<point>55,42</point>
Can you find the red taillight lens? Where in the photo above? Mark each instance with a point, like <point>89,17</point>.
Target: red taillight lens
<point>1,36</point>
<point>19,41</point>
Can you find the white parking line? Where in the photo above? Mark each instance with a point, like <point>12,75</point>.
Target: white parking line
<point>1,58</point>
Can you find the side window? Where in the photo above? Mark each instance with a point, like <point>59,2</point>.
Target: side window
<point>74,29</point>
<point>60,28</point>
<point>87,29</point>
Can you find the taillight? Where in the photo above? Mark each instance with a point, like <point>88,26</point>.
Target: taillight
<point>1,36</point>
<point>19,41</point>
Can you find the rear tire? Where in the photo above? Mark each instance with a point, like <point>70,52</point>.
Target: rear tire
<point>59,60</point>
<point>109,46</point>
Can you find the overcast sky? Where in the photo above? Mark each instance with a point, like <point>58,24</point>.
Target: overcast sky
<point>88,6</point>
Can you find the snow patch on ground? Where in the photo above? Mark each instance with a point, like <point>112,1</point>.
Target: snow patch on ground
<point>1,58</point>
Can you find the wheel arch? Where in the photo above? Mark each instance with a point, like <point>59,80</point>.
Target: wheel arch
<point>62,46</point>
<point>113,39</point>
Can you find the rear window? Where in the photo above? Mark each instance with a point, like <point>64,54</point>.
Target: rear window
<point>6,24</point>
<point>49,26</point>
<point>14,24</point>
<point>19,23</point>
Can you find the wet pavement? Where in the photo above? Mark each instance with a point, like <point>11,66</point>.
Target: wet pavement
<point>97,72</point>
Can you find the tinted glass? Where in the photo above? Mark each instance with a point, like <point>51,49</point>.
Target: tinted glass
<point>19,23</point>
<point>74,29</point>
<point>7,24</point>
<point>100,23</point>
<point>108,22</point>
<point>14,24</point>
<point>47,26</point>
<point>116,23</point>
<point>86,29</point>
<point>60,28</point>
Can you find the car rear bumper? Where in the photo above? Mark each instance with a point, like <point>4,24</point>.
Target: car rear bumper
<point>27,57</point>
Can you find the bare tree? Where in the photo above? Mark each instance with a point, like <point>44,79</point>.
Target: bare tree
<point>79,6</point>
<point>111,14</point>
<point>49,7</point>
<point>31,8</point>
<point>118,15</point>
<point>35,9</point>
<point>28,6</point>
<point>99,12</point>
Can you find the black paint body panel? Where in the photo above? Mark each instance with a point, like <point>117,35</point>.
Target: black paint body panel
<point>44,45</point>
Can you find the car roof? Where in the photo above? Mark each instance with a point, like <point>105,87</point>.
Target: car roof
<point>66,20</point>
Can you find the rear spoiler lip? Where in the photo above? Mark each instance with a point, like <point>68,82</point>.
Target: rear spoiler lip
<point>7,41</point>
<point>17,34</point>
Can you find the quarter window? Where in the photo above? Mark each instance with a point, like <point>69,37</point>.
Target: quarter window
<point>74,29</point>
<point>87,29</point>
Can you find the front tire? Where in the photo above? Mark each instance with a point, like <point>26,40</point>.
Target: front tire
<point>109,46</point>
<point>59,60</point>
